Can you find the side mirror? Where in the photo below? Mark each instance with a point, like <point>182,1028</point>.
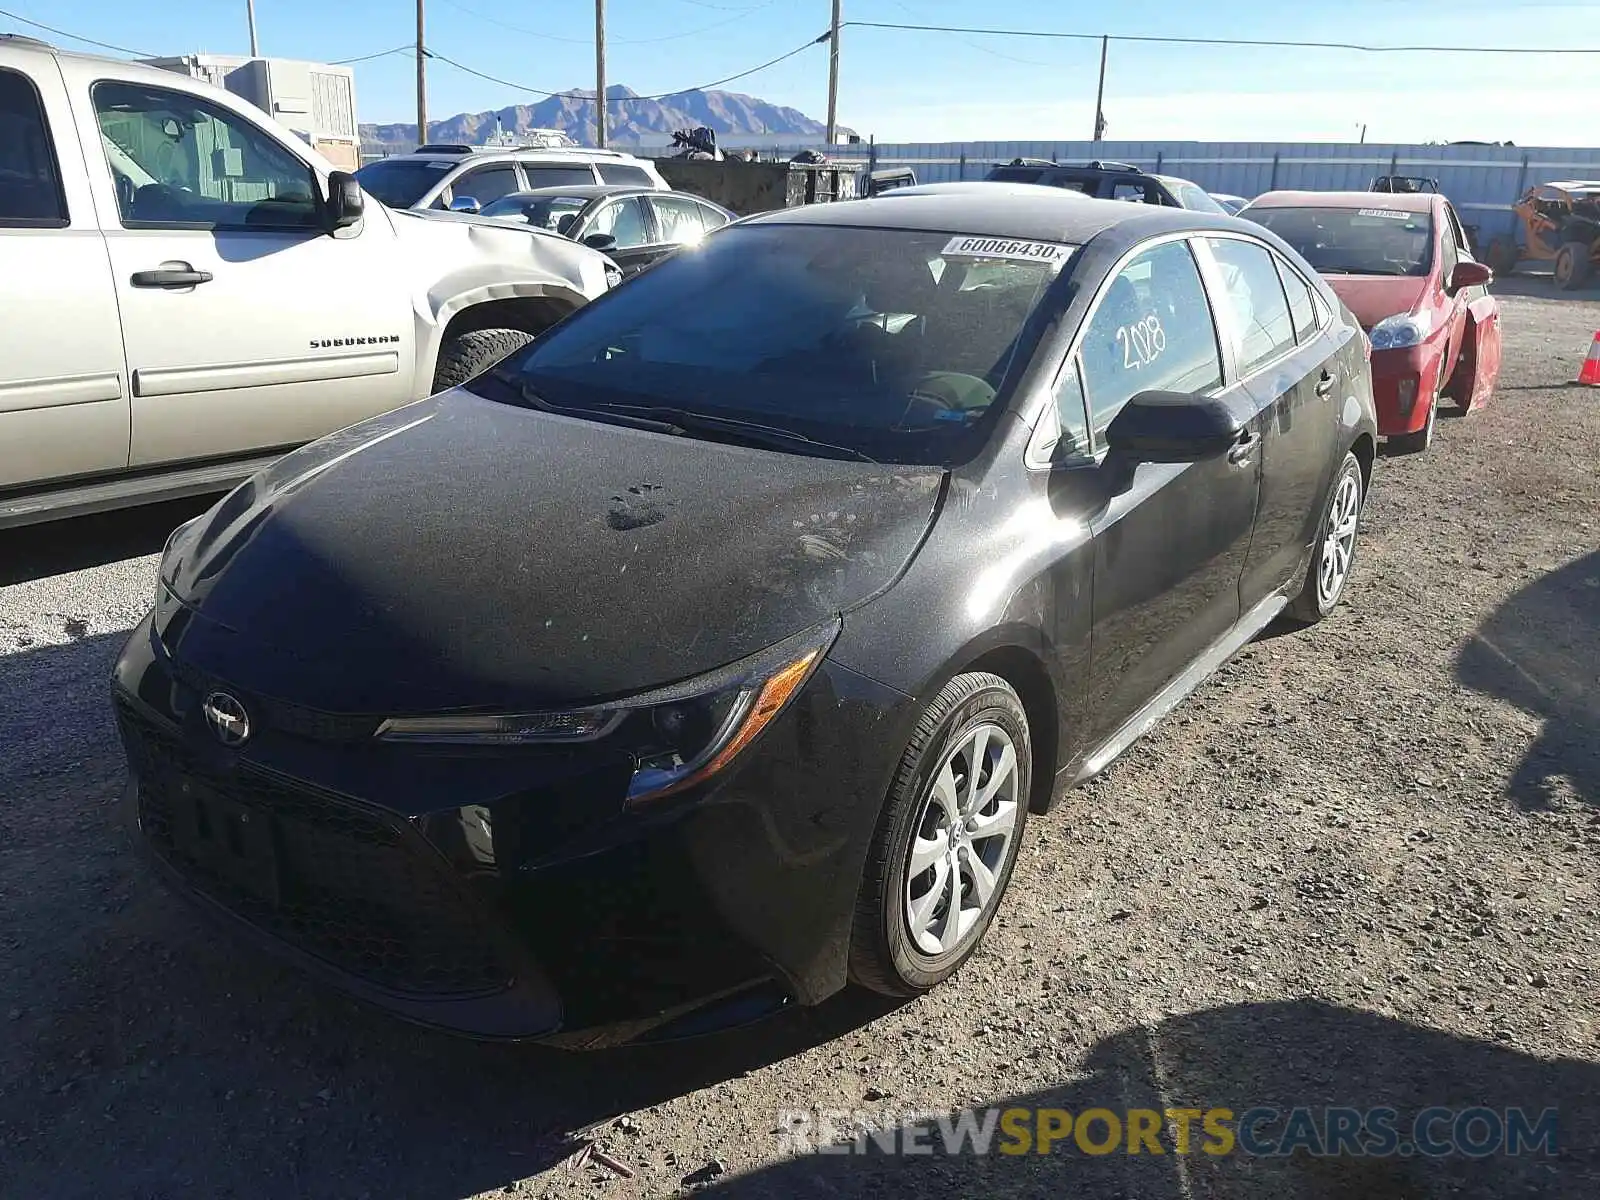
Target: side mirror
<point>1173,427</point>
<point>1470,274</point>
<point>465,204</point>
<point>602,242</point>
<point>345,201</point>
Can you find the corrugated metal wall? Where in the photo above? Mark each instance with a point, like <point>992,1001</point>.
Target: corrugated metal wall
<point>1482,181</point>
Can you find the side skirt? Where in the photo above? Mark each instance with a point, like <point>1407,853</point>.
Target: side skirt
<point>1169,697</point>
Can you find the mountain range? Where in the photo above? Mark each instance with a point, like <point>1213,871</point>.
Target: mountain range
<point>628,116</point>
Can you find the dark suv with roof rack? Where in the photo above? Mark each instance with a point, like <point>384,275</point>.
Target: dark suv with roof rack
<point>1108,181</point>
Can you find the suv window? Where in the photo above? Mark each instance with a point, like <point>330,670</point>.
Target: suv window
<point>1252,289</point>
<point>1016,174</point>
<point>1135,190</point>
<point>30,186</point>
<point>487,184</point>
<point>611,172</point>
<point>1301,307</point>
<point>542,175</point>
<point>1151,331</point>
<point>400,182</point>
<point>182,162</point>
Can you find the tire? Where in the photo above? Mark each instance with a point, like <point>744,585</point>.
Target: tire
<point>1320,596</point>
<point>1503,256</point>
<point>976,715</point>
<point>1572,265</point>
<point>468,355</point>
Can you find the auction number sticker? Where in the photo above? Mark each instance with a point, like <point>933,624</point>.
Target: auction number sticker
<point>1008,249</point>
<point>1390,213</point>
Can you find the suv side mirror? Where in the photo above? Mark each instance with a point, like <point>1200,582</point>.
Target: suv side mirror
<point>345,201</point>
<point>1470,274</point>
<point>465,204</point>
<point>1173,427</point>
<point>602,242</point>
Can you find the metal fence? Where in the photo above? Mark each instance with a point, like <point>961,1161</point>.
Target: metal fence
<point>1481,181</point>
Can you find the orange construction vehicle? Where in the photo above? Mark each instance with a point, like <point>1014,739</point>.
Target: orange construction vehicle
<point>1558,223</point>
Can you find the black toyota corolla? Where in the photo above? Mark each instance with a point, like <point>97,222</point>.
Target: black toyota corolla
<point>711,652</point>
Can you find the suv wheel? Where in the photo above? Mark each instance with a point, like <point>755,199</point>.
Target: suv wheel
<point>468,355</point>
<point>947,838</point>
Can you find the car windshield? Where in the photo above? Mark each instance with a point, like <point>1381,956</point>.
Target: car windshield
<point>401,182</point>
<point>1352,241</point>
<point>555,213</point>
<point>891,345</point>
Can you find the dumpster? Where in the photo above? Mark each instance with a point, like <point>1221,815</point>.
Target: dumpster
<point>752,187</point>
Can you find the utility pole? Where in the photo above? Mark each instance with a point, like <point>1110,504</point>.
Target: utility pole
<point>600,73</point>
<point>1100,94</point>
<point>250,12</point>
<point>833,76</point>
<point>422,83</point>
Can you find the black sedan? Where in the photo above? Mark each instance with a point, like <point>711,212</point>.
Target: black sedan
<point>635,226</point>
<point>714,650</point>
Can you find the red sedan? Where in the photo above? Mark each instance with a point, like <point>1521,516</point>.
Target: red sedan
<point>1401,265</point>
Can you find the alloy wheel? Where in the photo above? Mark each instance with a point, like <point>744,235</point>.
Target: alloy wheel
<point>1339,544</point>
<point>960,840</point>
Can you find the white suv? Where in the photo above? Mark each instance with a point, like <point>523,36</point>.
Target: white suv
<point>468,178</point>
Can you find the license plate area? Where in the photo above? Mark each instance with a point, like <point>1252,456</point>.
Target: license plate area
<point>231,841</point>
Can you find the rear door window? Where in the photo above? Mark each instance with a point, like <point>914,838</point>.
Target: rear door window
<point>625,173</point>
<point>682,221</point>
<point>1254,294</point>
<point>1152,330</point>
<point>30,185</point>
<point>542,175</point>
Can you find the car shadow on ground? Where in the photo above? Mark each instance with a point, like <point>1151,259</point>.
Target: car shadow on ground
<point>1542,287</point>
<point>1279,1056</point>
<point>55,547</point>
<point>143,1053</point>
<point>1540,650</point>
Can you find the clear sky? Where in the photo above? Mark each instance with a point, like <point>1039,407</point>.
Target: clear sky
<point>940,87</point>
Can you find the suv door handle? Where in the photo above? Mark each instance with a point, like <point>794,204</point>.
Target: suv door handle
<point>170,277</point>
<point>1325,384</point>
<point>1244,447</point>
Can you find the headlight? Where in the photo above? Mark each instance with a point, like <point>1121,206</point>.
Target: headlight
<point>678,736</point>
<point>1400,331</point>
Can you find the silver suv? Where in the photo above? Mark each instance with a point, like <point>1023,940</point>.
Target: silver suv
<point>468,178</point>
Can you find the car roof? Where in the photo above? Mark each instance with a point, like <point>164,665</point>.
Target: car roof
<point>481,154</point>
<point>1413,202</point>
<point>595,191</point>
<point>1024,211</point>
<point>1575,185</point>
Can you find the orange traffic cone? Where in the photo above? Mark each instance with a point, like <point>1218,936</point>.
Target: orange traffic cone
<point>1590,372</point>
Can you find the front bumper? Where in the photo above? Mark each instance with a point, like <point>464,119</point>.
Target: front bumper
<point>1403,385</point>
<point>504,894</point>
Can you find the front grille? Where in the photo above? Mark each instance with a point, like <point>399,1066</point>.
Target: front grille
<point>349,886</point>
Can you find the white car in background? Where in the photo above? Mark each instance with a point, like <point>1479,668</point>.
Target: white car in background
<point>470,178</point>
<point>1230,203</point>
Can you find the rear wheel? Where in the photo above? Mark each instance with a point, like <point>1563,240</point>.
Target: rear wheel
<point>1335,550</point>
<point>947,838</point>
<point>1502,256</point>
<point>1573,265</point>
<point>468,355</point>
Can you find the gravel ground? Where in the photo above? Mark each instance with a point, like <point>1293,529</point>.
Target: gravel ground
<point>1359,867</point>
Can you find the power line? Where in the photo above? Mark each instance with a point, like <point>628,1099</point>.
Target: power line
<point>76,37</point>
<point>1205,41</point>
<point>408,48</point>
<point>556,37</point>
<point>571,95</point>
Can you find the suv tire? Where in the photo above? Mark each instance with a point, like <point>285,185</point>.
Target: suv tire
<point>468,355</point>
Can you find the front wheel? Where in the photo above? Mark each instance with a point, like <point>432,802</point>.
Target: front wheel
<point>947,839</point>
<point>1416,443</point>
<point>468,355</point>
<point>1335,551</point>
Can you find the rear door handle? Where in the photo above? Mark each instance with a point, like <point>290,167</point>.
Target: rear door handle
<point>1325,384</point>
<point>170,277</point>
<point>1244,447</point>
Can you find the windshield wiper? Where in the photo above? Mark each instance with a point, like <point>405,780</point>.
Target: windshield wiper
<point>751,433</point>
<point>529,398</point>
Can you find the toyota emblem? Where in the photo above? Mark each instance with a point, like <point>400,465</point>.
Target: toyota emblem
<point>227,718</point>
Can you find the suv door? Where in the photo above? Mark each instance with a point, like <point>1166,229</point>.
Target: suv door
<point>1171,538</point>
<point>248,327</point>
<point>1290,369</point>
<point>63,410</point>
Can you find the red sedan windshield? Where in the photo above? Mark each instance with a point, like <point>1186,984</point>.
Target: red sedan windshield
<point>1351,241</point>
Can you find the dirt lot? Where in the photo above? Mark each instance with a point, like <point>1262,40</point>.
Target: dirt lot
<point>1358,868</point>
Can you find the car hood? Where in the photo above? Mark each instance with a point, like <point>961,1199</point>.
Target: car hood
<point>459,252</point>
<point>1373,297</point>
<point>463,553</point>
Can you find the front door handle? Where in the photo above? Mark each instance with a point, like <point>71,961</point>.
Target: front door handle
<point>170,277</point>
<point>1244,447</point>
<point>1325,384</point>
